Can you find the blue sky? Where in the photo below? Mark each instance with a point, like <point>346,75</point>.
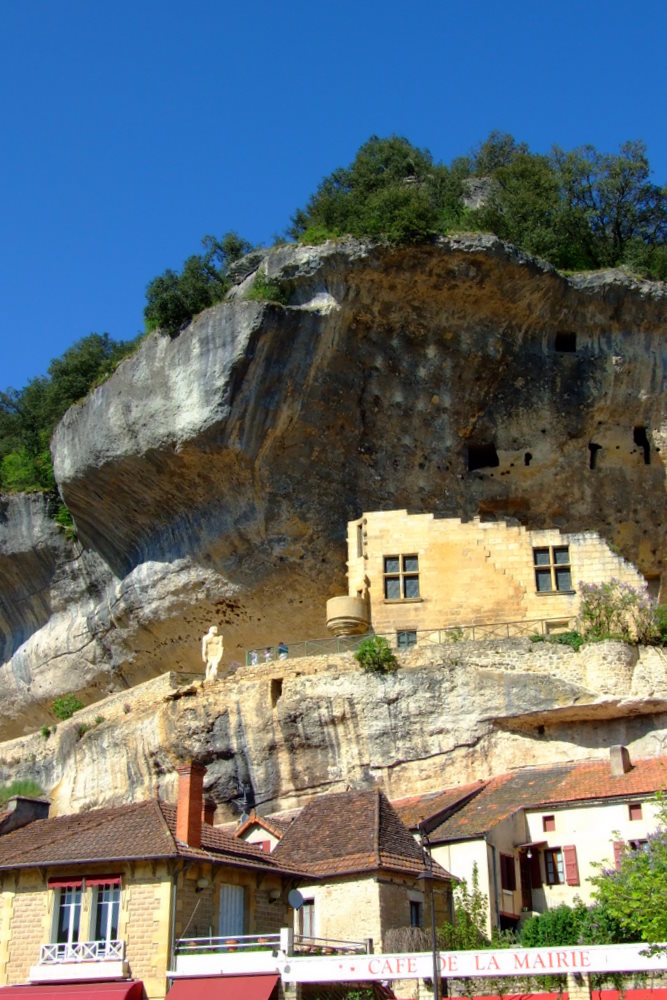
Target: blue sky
<point>131,130</point>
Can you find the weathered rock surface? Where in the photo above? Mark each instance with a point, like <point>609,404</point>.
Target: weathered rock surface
<point>273,736</point>
<point>211,478</point>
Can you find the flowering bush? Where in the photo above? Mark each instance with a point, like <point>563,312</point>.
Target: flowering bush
<point>615,610</point>
<point>635,893</point>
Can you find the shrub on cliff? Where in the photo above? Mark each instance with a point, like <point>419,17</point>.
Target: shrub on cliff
<point>65,706</point>
<point>173,298</point>
<point>392,189</point>
<point>29,416</point>
<point>18,787</point>
<point>578,209</point>
<point>375,656</point>
<point>615,610</point>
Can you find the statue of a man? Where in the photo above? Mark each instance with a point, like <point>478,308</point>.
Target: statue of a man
<point>211,652</point>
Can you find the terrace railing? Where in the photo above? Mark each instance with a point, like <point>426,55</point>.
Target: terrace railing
<point>440,636</point>
<point>294,944</point>
<point>82,951</point>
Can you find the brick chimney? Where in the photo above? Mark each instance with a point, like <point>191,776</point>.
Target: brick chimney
<point>208,811</point>
<point>190,803</point>
<point>619,761</point>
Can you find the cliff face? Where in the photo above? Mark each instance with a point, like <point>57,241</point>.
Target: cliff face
<point>274,736</point>
<point>212,477</point>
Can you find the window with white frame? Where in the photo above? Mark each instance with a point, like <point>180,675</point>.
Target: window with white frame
<point>555,869</point>
<point>107,911</point>
<point>68,913</point>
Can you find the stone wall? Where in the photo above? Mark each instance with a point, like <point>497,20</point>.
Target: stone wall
<point>472,572</point>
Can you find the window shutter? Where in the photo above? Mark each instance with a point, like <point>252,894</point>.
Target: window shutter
<point>619,850</point>
<point>571,866</point>
<point>535,874</point>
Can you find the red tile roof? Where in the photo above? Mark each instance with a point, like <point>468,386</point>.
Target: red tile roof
<point>268,823</point>
<point>123,833</point>
<point>352,832</point>
<point>415,808</point>
<point>536,787</point>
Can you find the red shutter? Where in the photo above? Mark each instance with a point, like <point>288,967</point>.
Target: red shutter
<point>619,851</point>
<point>535,873</point>
<point>571,866</point>
<point>65,883</point>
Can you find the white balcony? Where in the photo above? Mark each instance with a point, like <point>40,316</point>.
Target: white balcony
<point>82,960</point>
<point>249,954</point>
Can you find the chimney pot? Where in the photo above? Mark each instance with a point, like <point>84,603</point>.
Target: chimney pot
<point>619,761</point>
<point>190,805</point>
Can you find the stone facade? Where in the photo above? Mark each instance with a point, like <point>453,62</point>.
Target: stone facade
<point>361,907</point>
<point>28,914</point>
<point>418,572</point>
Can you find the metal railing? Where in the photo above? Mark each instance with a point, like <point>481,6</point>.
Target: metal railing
<point>82,951</point>
<point>297,944</point>
<point>329,946</point>
<point>440,636</point>
<point>228,943</point>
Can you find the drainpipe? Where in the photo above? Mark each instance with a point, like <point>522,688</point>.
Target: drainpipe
<point>495,884</point>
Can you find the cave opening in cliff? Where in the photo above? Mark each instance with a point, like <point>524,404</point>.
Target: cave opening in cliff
<point>276,690</point>
<point>593,454</point>
<point>565,343</point>
<point>482,456</point>
<point>640,438</point>
<point>527,458</point>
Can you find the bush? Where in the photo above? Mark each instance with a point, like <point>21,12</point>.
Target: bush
<point>65,706</point>
<point>615,610</point>
<point>265,289</point>
<point>21,787</point>
<point>573,639</point>
<point>375,656</point>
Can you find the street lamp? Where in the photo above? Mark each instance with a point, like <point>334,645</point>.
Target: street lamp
<point>428,876</point>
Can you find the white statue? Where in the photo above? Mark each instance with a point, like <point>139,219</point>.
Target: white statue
<point>211,652</point>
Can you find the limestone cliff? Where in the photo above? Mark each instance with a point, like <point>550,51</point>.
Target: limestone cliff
<point>211,478</point>
<point>272,736</point>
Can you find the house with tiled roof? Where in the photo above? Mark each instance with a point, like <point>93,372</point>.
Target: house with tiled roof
<point>104,896</point>
<point>368,874</point>
<point>535,834</point>
<point>123,899</point>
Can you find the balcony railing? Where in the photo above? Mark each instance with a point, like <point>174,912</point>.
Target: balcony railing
<point>228,943</point>
<point>82,951</point>
<point>329,946</point>
<point>439,636</point>
<point>292,944</point>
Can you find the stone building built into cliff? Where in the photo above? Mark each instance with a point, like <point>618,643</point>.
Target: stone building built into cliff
<point>409,574</point>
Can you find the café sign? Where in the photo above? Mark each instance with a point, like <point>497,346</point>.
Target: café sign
<point>501,962</point>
